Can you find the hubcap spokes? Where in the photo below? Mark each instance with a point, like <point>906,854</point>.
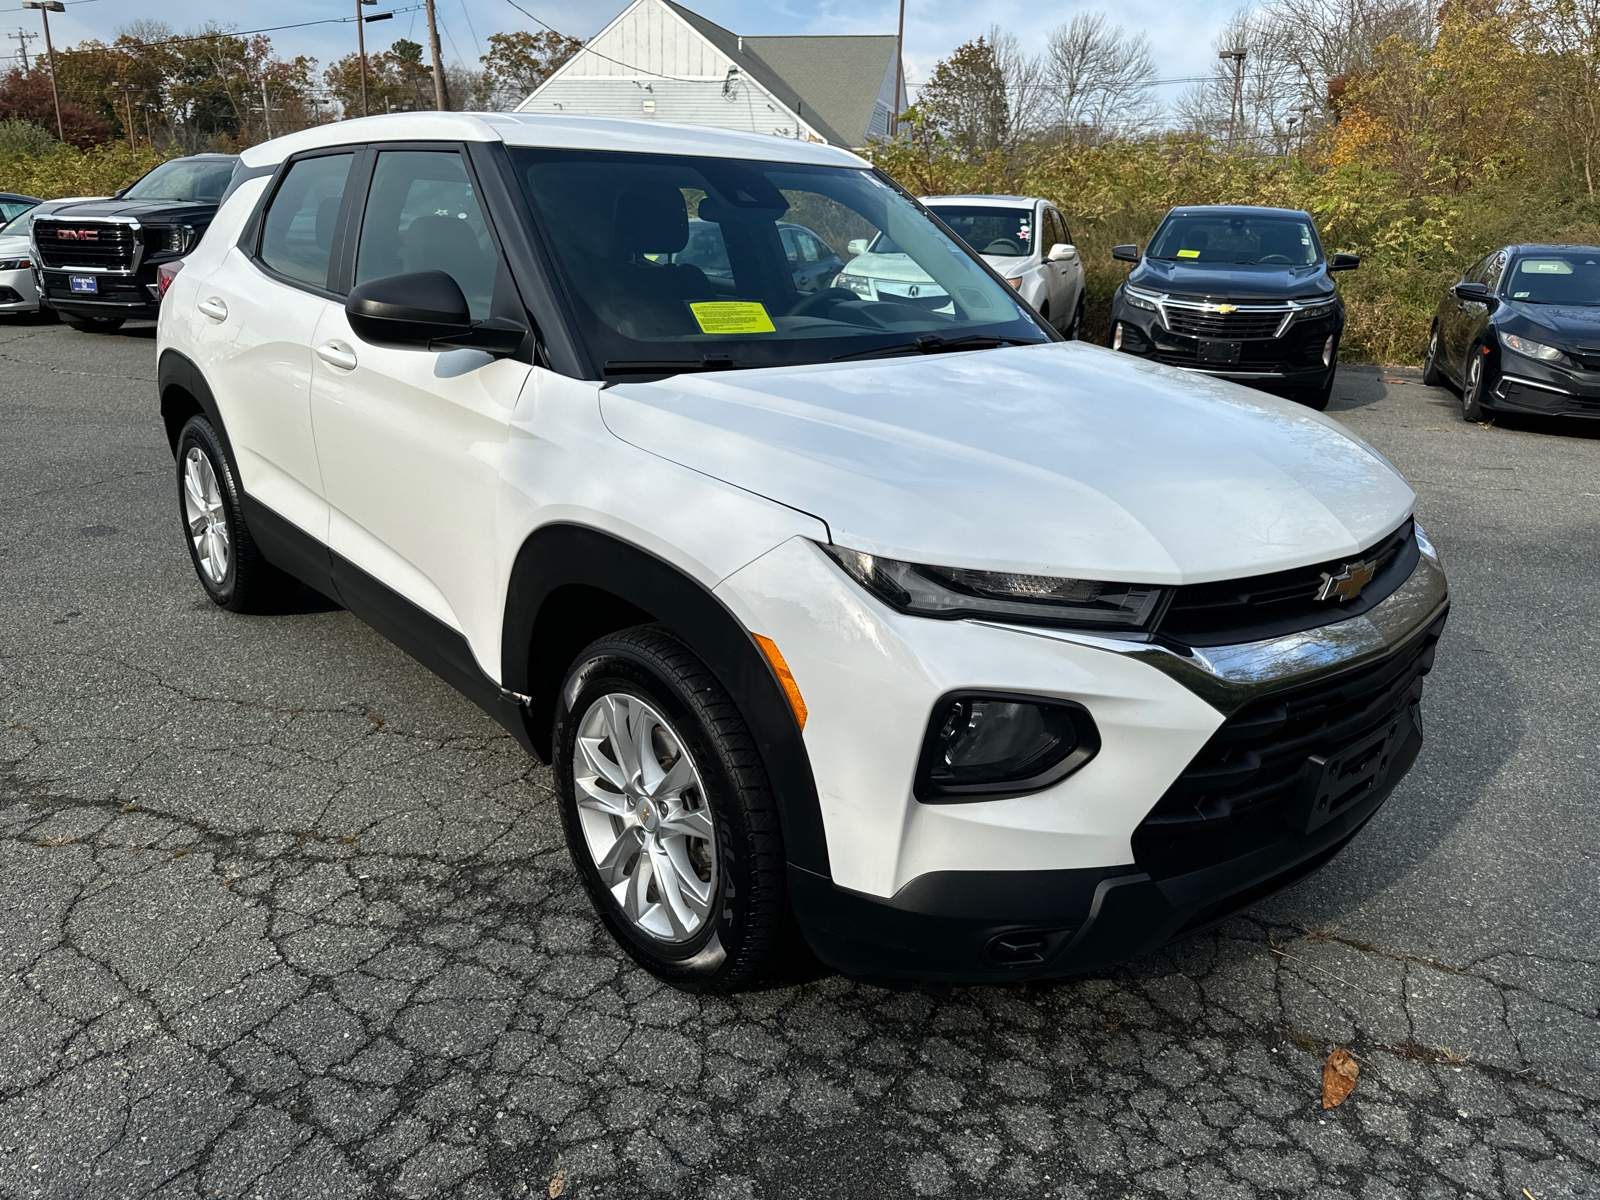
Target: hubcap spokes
<point>202,510</point>
<point>645,817</point>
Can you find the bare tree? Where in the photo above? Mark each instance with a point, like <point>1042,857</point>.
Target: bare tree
<point>1099,79</point>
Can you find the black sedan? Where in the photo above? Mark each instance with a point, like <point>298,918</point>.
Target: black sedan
<point>1240,292</point>
<point>1521,333</point>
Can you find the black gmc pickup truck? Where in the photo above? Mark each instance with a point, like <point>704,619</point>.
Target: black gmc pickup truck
<point>97,260</point>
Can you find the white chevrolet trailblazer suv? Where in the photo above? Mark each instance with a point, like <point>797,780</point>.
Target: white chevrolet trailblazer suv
<point>985,655</point>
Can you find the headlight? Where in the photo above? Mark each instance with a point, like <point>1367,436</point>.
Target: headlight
<point>1144,300</point>
<point>859,284</point>
<point>1425,544</point>
<point>15,264</point>
<point>983,744</point>
<point>955,592</point>
<point>1531,348</point>
<point>1321,310</point>
<point>168,239</point>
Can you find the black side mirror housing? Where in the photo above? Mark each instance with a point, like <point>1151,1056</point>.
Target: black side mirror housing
<point>425,310</point>
<point>1125,253</point>
<point>120,193</point>
<point>1474,293</point>
<point>1344,262</point>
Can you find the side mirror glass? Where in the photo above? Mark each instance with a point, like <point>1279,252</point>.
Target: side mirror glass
<point>856,246</point>
<point>425,310</point>
<point>1125,253</point>
<point>1063,252</point>
<point>1344,262</point>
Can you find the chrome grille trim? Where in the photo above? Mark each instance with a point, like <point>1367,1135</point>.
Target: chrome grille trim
<point>120,255</point>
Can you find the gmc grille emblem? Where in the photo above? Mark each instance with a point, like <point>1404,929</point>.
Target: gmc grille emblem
<point>78,235</point>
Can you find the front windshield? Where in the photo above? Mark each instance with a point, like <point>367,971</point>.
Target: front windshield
<point>998,232</point>
<point>1562,278</point>
<point>1265,239</point>
<point>679,260</point>
<point>186,179</point>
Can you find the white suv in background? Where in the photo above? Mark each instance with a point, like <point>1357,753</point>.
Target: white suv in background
<point>987,656</point>
<point>1023,239</point>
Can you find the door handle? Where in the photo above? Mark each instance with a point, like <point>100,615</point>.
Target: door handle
<point>337,354</point>
<point>213,308</point>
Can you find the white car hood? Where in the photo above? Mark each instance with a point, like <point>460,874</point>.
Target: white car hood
<point>901,268</point>
<point>1061,459</point>
<point>14,246</point>
<point>1010,268</point>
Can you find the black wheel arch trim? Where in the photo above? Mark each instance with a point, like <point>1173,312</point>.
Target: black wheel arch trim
<point>564,563</point>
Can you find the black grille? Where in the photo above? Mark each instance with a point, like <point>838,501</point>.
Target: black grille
<point>112,244</point>
<point>1250,783</point>
<point>1236,327</point>
<point>1266,606</point>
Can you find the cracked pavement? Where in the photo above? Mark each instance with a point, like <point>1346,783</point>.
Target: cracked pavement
<point>283,916</point>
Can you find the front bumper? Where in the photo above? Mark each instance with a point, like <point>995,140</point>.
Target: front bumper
<point>18,293</point>
<point>1529,386</point>
<point>1075,879</point>
<point>128,296</point>
<point>1294,360</point>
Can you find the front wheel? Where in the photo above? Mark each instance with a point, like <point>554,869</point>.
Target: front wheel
<point>92,324</point>
<point>1075,331</point>
<point>1473,391</point>
<point>668,812</point>
<point>1317,398</point>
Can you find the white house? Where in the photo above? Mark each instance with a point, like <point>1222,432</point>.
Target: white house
<point>659,60</point>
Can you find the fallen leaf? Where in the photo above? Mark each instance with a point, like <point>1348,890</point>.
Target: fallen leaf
<point>558,1184</point>
<point>65,839</point>
<point>1338,1077</point>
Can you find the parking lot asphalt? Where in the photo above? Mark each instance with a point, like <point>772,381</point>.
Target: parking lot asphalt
<point>281,915</point>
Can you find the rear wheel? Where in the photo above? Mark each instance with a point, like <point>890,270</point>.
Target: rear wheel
<point>669,815</point>
<point>1431,374</point>
<point>1075,331</point>
<point>92,324</point>
<point>225,556</point>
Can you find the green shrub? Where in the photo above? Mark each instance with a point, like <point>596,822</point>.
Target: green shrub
<point>24,139</point>
<point>68,171</point>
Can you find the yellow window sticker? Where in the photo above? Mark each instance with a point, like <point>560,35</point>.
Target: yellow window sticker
<point>1188,254</point>
<point>731,316</point>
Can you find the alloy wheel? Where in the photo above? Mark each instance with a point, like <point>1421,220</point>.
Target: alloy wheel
<point>645,817</point>
<point>207,521</point>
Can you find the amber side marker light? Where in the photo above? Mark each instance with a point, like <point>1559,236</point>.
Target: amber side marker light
<point>780,668</point>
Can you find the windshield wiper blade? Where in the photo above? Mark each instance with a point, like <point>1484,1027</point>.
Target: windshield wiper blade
<point>668,366</point>
<point>934,344</point>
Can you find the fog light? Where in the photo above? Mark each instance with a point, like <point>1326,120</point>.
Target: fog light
<point>982,745</point>
<point>1327,351</point>
<point>1116,337</point>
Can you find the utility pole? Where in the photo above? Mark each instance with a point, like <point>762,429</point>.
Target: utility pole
<point>899,67</point>
<point>361,49</point>
<point>1236,111</point>
<point>127,100</point>
<point>22,37</point>
<point>46,7</point>
<point>149,138</point>
<point>266,109</point>
<point>441,93</point>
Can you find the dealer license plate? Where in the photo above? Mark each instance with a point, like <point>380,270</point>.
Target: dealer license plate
<point>85,283</point>
<point>1220,353</point>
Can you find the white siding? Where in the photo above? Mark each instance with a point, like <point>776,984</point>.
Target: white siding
<point>650,38</point>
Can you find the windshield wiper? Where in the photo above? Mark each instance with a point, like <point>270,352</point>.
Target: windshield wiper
<point>932,343</point>
<point>669,366</point>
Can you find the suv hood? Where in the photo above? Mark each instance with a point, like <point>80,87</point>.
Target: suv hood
<point>1058,459</point>
<point>181,211</point>
<point>1232,281</point>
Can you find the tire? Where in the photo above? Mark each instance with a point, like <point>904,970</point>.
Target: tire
<point>93,324</point>
<point>1476,385</point>
<point>1074,331</point>
<point>225,557</point>
<point>716,847</point>
<point>1317,398</point>
<point>1432,376</point>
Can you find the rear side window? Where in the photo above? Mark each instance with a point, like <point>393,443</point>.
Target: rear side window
<point>422,215</point>
<point>297,232</point>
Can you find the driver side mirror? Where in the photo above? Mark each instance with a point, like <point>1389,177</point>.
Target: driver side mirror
<point>1062,252</point>
<point>1344,262</point>
<point>1125,253</point>
<point>425,310</point>
<point>856,246</point>
<point>120,193</point>
<point>1474,293</point>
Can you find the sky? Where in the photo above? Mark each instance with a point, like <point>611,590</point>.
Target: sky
<point>1180,33</point>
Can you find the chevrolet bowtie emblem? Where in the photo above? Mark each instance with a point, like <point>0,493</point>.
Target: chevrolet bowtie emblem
<point>1227,308</point>
<point>1347,584</point>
